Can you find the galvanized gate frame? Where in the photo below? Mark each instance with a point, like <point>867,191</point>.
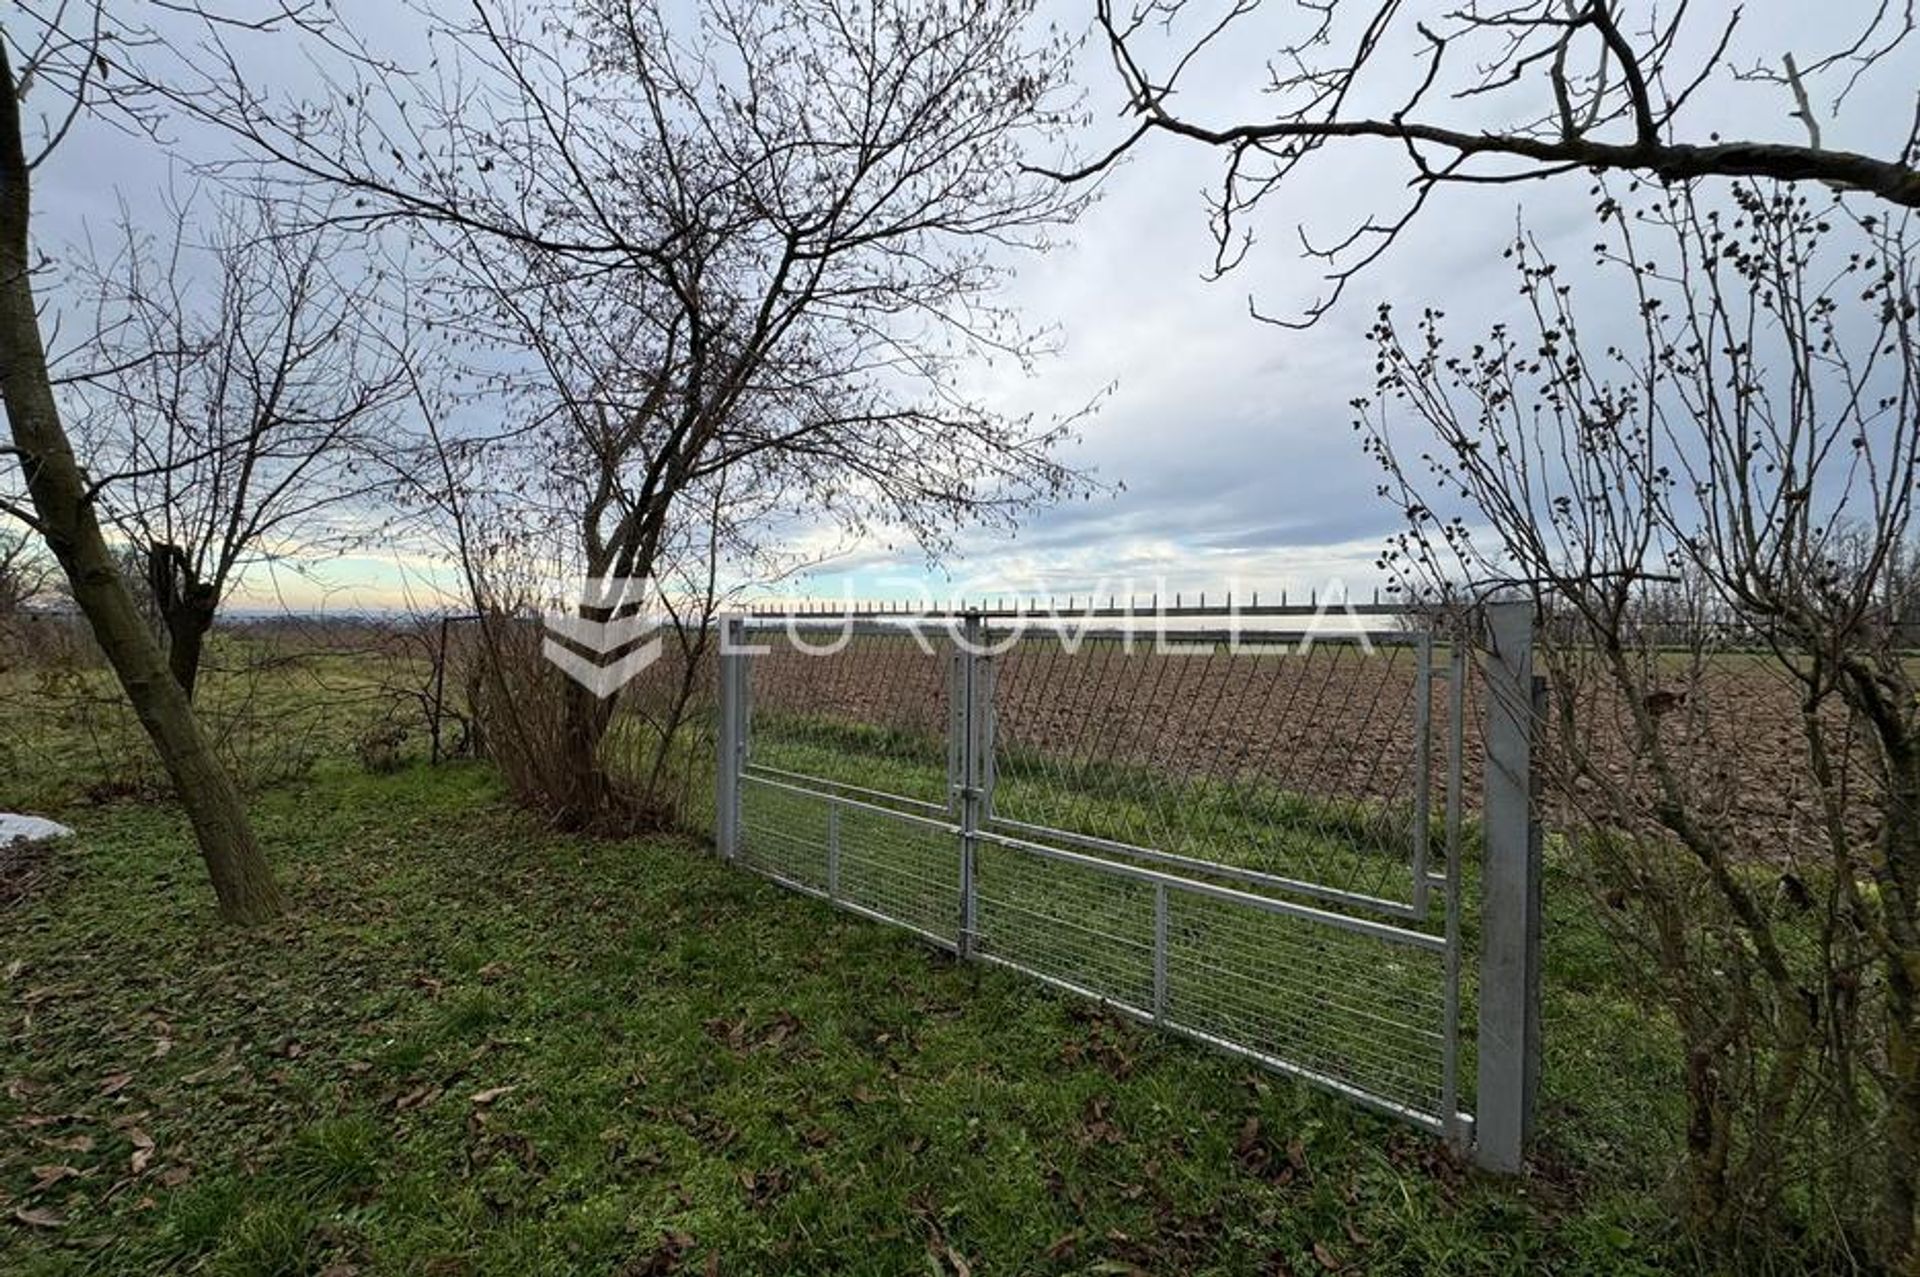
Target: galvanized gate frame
<point>1508,1030</point>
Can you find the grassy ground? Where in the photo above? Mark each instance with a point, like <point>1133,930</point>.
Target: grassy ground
<point>1348,845</point>
<point>274,709</point>
<point>478,1047</point>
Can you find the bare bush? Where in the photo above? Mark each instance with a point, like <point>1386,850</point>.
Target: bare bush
<point>747,305</point>
<point>1710,509</point>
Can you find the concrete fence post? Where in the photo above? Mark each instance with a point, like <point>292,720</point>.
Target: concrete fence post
<point>1509,1030</point>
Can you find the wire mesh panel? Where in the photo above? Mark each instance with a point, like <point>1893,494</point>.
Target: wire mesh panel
<point>1366,1012</point>
<point>1078,926</point>
<point>1239,841</point>
<point>786,832</point>
<point>1363,1009</point>
<point>853,709</point>
<point>904,870</point>
<point>1309,763</point>
<point>846,783</point>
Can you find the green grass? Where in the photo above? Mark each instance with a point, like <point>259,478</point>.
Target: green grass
<point>1350,845</point>
<point>275,711</point>
<point>701,1065</point>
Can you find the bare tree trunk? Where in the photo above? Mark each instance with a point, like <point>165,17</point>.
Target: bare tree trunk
<point>587,718</point>
<point>186,640</point>
<point>64,515</point>
<point>1901,1192</point>
<point>187,606</point>
<point>1903,1117</point>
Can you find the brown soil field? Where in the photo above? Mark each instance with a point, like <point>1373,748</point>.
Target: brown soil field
<point>1338,722</point>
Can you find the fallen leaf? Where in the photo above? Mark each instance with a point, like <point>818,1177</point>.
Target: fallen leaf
<point>175,1176</point>
<point>115,1083</point>
<point>160,1048</point>
<point>1327,1259</point>
<point>493,1093</point>
<point>419,1097</point>
<point>71,1144</point>
<point>142,1149</point>
<point>48,1176</point>
<point>211,1073</point>
<point>38,1217</point>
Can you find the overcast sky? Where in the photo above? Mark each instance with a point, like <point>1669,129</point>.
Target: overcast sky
<point>1226,443</point>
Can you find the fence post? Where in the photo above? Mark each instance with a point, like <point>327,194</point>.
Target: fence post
<point>971,688</point>
<point>439,692</point>
<point>732,743</point>
<point>1509,1033</point>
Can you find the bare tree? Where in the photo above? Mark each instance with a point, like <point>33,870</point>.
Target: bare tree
<point>69,64</point>
<point>1711,500</point>
<point>27,575</point>
<point>812,202</point>
<point>240,388</point>
<point>1491,92</point>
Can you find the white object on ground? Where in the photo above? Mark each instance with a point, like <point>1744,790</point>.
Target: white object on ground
<point>29,828</point>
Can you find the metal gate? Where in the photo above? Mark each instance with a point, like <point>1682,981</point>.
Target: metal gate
<point>1235,827</point>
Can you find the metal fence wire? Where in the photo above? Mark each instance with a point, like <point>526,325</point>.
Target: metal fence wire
<point>1253,838</point>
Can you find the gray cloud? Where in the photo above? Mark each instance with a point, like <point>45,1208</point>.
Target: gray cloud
<point>1231,437</point>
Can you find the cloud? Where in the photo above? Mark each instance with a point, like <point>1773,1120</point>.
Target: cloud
<point>1227,441</point>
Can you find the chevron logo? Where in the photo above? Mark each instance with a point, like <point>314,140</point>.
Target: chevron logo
<point>602,638</point>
